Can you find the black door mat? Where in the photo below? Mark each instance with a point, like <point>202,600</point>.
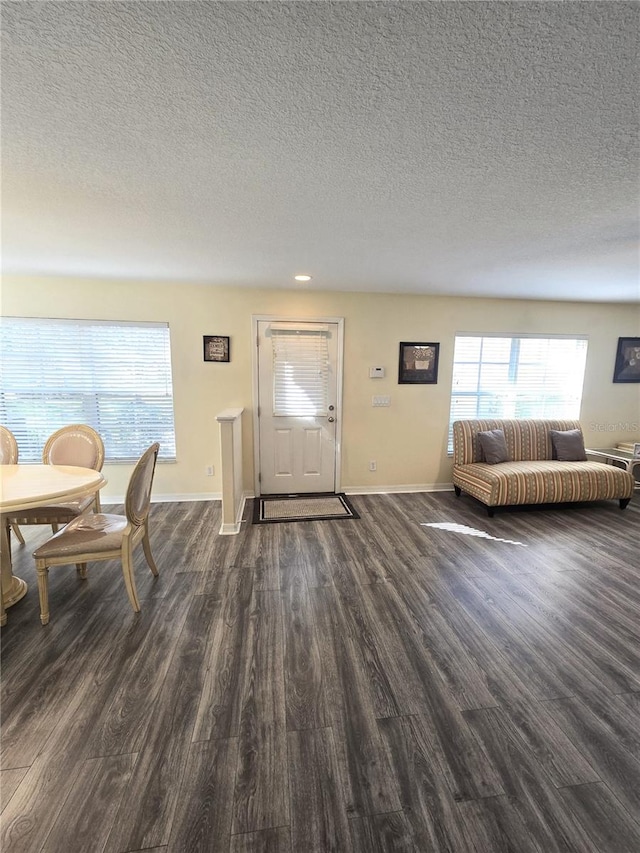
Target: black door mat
<point>269,509</point>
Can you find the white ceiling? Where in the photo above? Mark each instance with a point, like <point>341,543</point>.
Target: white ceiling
<point>472,148</point>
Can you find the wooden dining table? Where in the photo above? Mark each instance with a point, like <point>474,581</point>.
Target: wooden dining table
<point>25,486</point>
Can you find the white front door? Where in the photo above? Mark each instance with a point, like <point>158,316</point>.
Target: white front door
<point>297,406</point>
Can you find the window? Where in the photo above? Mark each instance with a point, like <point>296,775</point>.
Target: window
<point>516,377</point>
<point>114,376</point>
<point>300,371</point>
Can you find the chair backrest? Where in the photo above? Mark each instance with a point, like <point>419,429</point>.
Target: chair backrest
<point>527,439</point>
<point>138,497</point>
<point>8,447</point>
<point>76,444</point>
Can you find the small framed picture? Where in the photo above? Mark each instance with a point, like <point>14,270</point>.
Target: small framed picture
<point>216,348</point>
<point>627,367</point>
<point>418,363</point>
<point>636,450</point>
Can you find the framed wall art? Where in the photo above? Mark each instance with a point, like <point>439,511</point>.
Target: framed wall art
<point>627,367</point>
<point>418,363</point>
<point>216,348</point>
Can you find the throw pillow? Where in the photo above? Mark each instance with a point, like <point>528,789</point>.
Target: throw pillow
<point>568,445</point>
<point>493,446</point>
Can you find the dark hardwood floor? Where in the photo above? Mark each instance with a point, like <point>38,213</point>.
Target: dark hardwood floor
<point>364,685</point>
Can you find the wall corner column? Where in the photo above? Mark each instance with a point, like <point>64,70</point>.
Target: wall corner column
<point>233,498</point>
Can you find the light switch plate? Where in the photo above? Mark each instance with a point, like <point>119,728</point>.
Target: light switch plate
<point>378,402</point>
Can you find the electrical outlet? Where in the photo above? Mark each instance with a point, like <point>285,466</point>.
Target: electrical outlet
<point>209,470</point>
<point>372,465</point>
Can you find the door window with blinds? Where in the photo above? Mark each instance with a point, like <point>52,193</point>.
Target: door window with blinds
<point>520,376</point>
<point>116,377</point>
<point>300,371</point>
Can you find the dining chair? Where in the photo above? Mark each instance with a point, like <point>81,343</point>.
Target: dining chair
<point>95,537</point>
<point>9,456</point>
<point>76,444</point>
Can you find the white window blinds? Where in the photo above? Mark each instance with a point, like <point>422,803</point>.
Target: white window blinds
<point>300,371</point>
<point>114,376</point>
<point>517,377</point>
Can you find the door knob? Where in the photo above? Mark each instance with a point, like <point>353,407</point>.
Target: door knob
<point>331,420</point>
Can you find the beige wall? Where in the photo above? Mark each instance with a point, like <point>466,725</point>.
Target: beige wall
<point>407,440</point>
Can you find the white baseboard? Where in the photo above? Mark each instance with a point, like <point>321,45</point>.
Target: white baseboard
<point>348,490</point>
<point>233,529</point>
<point>165,499</point>
<point>390,490</point>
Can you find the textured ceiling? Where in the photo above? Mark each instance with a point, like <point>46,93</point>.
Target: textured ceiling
<point>473,148</point>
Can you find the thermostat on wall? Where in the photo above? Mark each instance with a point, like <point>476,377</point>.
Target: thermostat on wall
<point>376,373</point>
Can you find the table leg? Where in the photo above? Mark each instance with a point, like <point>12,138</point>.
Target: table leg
<point>13,588</point>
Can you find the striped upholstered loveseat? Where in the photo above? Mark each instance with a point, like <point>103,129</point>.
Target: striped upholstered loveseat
<point>532,475</point>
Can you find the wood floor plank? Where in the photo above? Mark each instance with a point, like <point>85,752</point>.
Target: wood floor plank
<point>465,680</point>
<point>522,640</point>
<point>546,741</point>
<point>262,785</point>
<point>34,807</point>
<point>266,841</point>
<point>278,680</point>
<point>611,652</point>
<point>267,567</point>
<point>368,786</point>
<point>612,573</point>
<point>385,833</point>
<point>304,689</point>
<point>220,703</point>
<point>146,815</point>
<point>319,819</point>
<point>533,796</point>
<point>162,849</point>
<point>366,640</point>
<point>426,800</point>
<point>261,796</point>
<point>263,691</point>
<point>369,563</point>
<point>493,825</point>
<point>124,720</point>
<point>29,723</point>
<point>9,781</point>
<point>463,763</point>
<point>205,808</point>
<point>617,766</point>
<point>631,701</point>
<point>604,819</point>
<point>315,537</point>
<point>503,679</point>
<point>599,601</point>
<point>398,539</point>
<point>86,818</point>
<point>283,554</point>
<point>397,649</point>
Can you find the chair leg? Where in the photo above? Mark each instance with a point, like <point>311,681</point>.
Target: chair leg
<point>55,528</point>
<point>43,590</point>
<point>146,547</point>
<point>129,579</point>
<point>18,533</point>
<point>81,569</point>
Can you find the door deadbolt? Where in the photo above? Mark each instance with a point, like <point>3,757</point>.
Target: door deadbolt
<point>331,408</point>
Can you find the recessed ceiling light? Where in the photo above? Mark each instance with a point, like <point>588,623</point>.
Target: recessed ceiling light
<point>302,277</point>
